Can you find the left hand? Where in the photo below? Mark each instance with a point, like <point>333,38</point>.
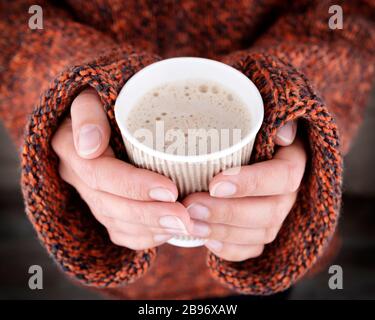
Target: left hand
<point>242,212</point>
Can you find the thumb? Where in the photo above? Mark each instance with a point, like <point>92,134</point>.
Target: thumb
<point>286,134</point>
<point>91,130</point>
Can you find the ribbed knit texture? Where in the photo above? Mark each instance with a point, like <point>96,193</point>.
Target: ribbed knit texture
<point>303,70</point>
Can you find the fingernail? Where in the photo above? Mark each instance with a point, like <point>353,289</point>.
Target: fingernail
<point>223,189</point>
<point>197,211</point>
<point>200,229</point>
<point>162,237</point>
<point>171,222</point>
<point>89,139</point>
<point>162,194</point>
<point>214,245</point>
<point>286,133</point>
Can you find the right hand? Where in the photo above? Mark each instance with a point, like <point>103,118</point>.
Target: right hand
<point>138,207</point>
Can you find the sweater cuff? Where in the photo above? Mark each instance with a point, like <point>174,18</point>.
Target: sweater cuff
<point>63,222</point>
<point>309,227</point>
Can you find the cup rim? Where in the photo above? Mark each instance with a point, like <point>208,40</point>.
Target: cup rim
<point>189,158</point>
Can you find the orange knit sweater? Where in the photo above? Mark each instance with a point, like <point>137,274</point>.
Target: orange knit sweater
<point>302,68</point>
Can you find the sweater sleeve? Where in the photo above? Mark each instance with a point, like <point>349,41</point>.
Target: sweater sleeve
<point>53,65</point>
<point>322,77</point>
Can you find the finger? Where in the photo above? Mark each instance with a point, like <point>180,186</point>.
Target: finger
<point>138,242</point>
<point>282,174</point>
<point>112,175</point>
<point>123,179</point>
<point>250,212</point>
<point>233,235</point>
<point>234,252</point>
<point>62,137</point>
<point>91,129</point>
<point>286,134</point>
<point>62,144</point>
<point>229,234</point>
<point>172,217</point>
<point>133,229</point>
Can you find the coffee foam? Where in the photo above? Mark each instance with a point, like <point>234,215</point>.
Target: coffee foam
<point>187,105</point>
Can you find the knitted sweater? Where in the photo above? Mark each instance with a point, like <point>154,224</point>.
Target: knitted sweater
<point>303,69</point>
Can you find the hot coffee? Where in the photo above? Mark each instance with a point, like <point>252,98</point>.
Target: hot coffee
<point>189,117</point>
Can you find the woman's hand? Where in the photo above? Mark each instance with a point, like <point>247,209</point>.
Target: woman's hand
<point>138,207</point>
<point>246,206</point>
<point>241,213</point>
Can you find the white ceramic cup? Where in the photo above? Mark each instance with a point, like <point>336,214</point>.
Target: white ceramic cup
<point>190,173</point>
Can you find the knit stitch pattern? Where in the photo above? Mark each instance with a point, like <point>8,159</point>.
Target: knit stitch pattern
<point>318,76</point>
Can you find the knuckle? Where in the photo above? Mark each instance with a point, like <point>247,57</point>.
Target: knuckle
<point>116,239</point>
<point>268,220</point>
<point>293,177</point>
<point>275,214</point>
<point>223,234</point>
<point>240,254</point>
<point>194,197</point>
<point>107,222</point>
<point>126,186</point>
<point>139,244</point>
<point>270,235</point>
<point>229,256</point>
<point>133,243</point>
<point>176,209</point>
<point>253,182</point>
<point>256,251</point>
<point>228,213</point>
<point>97,209</point>
<point>81,101</point>
<point>281,211</point>
<point>90,173</point>
<point>63,172</point>
<point>95,202</point>
<point>262,237</point>
<point>60,138</point>
<point>144,218</point>
<point>55,143</point>
<point>114,224</point>
<point>131,190</point>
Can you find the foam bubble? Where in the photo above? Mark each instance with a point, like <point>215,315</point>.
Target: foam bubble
<point>203,88</point>
<point>193,104</point>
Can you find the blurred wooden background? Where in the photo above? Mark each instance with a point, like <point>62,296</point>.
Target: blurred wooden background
<point>19,247</point>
